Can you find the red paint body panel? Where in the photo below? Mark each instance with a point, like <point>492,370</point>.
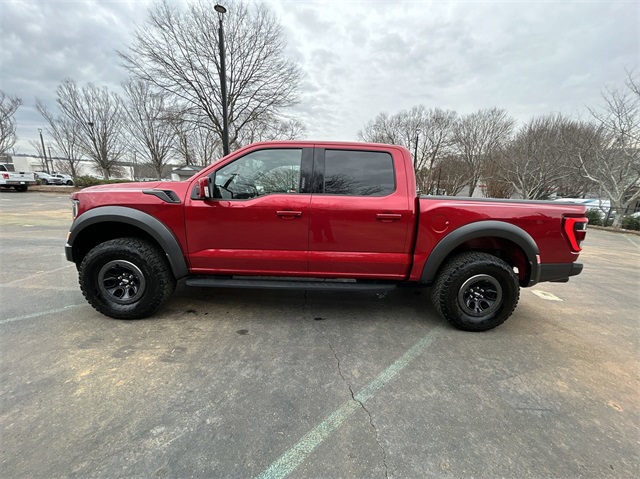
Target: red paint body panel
<point>347,238</point>
<point>248,237</point>
<point>543,222</point>
<point>130,195</point>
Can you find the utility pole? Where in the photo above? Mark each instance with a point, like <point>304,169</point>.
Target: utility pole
<point>415,155</point>
<point>50,158</point>
<point>44,152</point>
<point>134,165</point>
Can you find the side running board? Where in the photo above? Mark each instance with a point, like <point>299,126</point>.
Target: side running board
<point>209,282</point>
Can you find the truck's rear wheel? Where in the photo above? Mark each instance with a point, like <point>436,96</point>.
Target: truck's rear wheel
<point>21,188</point>
<point>126,278</point>
<point>476,291</point>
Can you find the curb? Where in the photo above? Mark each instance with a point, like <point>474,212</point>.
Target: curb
<point>54,189</point>
<point>614,230</point>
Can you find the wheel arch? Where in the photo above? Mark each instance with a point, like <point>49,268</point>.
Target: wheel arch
<point>491,237</point>
<point>110,222</point>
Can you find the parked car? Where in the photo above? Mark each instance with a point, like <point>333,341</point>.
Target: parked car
<point>603,206</point>
<point>66,179</point>
<point>18,180</point>
<point>47,179</point>
<point>317,216</point>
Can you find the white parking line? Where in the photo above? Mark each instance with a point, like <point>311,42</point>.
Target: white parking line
<point>42,313</point>
<point>35,275</point>
<point>545,295</point>
<point>631,241</point>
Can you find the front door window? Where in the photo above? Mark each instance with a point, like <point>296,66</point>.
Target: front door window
<point>260,173</point>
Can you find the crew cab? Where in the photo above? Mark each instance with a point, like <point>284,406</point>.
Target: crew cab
<point>18,180</point>
<point>317,215</point>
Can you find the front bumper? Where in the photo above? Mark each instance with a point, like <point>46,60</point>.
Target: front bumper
<point>559,272</point>
<point>68,252</point>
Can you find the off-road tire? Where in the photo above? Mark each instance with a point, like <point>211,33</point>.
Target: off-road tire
<point>143,260</point>
<point>456,282</point>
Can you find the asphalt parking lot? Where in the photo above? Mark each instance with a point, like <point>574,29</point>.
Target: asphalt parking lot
<point>238,383</point>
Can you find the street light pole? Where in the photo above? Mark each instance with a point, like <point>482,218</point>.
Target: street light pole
<point>50,158</point>
<point>44,152</point>
<point>223,80</point>
<point>134,165</point>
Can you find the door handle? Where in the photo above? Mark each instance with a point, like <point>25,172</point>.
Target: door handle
<point>387,217</point>
<point>289,214</point>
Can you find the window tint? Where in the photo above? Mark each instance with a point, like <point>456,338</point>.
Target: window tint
<point>358,173</point>
<point>260,173</point>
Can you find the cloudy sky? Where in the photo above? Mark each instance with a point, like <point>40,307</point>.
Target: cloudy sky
<point>360,57</point>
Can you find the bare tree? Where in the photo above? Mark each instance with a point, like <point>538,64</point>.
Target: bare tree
<point>384,128</point>
<point>272,129</point>
<point>495,182</point>
<point>177,51</point>
<point>615,145</point>
<point>66,134</point>
<point>536,161</point>
<point>98,115</point>
<point>150,130</point>
<point>427,133</point>
<point>183,132</point>
<point>580,139</point>
<point>8,107</point>
<point>478,137</point>
<point>37,145</point>
<point>435,142</point>
<point>206,146</point>
<point>450,175</point>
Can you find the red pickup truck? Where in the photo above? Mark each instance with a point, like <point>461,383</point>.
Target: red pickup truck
<point>317,215</point>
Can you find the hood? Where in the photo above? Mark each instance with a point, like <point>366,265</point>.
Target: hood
<point>140,185</point>
<point>118,190</point>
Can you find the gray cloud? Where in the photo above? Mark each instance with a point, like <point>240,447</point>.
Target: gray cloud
<point>360,58</point>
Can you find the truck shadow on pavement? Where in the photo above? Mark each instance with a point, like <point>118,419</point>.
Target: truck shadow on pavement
<point>408,305</point>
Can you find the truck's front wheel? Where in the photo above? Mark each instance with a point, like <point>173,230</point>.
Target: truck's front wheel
<point>476,291</point>
<point>126,278</point>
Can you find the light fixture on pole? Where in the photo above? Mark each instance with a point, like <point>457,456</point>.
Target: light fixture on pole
<point>223,80</point>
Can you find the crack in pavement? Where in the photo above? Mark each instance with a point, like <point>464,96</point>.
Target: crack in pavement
<point>353,397</point>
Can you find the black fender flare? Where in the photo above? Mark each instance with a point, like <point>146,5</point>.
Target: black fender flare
<point>483,229</point>
<point>147,223</point>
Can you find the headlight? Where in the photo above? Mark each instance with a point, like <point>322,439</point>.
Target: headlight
<point>74,208</point>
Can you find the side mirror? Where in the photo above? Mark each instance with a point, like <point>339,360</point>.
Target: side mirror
<point>203,192</point>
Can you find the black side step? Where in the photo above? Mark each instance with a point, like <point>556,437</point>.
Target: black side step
<point>208,282</point>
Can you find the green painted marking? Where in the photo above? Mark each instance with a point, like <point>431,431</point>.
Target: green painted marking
<point>297,454</point>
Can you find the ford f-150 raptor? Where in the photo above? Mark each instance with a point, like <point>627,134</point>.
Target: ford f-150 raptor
<point>317,215</point>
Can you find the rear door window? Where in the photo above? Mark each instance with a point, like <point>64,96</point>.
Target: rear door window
<point>358,173</point>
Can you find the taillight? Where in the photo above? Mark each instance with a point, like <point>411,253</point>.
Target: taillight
<point>575,229</point>
<point>5,176</point>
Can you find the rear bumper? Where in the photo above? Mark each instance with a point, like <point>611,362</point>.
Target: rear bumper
<point>559,272</point>
<point>18,183</point>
